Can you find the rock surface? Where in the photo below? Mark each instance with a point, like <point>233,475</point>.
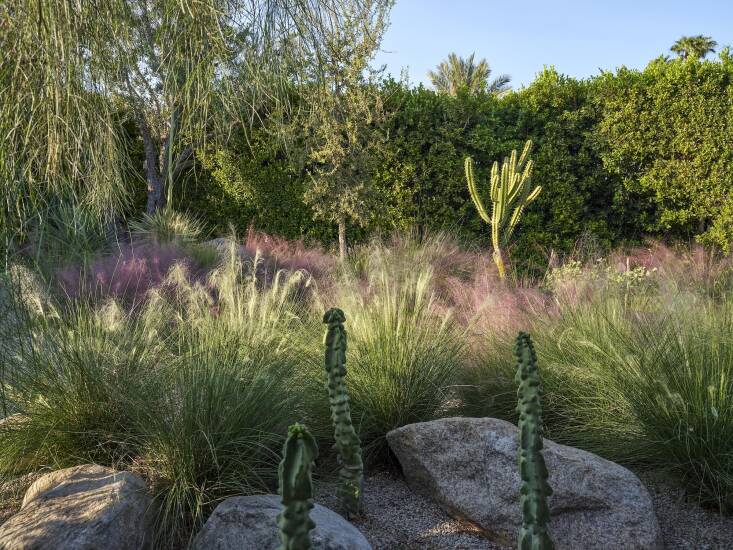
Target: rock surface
<point>241,523</point>
<point>469,466</point>
<point>81,508</point>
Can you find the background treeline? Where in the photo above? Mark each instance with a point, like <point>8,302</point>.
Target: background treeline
<point>620,156</point>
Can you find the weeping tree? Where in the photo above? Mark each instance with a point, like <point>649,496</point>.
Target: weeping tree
<point>186,72</point>
<point>342,118</point>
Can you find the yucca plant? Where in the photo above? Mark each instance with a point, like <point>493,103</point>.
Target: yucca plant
<point>510,193</point>
<point>166,225</point>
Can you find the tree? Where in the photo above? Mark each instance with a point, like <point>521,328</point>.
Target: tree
<point>694,47</point>
<point>185,70</point>
<point>342,119</point>
<point>456,73</point>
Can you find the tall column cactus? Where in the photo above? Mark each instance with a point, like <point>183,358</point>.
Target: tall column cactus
<point>348,445</point>
<point>534,534</point>
<point>510,192</point>
<point>296,489</point>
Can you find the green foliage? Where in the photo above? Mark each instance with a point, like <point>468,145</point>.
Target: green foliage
<point>534,533</point>
<point>431,135</point>
<point>348,445</point>
<point>296,488</point>
<point>341,127</point>
<point>252,184</point>
<point>510,194</point>
<point>667,133</point>
<point>643,382</point>
<point>59,139</point>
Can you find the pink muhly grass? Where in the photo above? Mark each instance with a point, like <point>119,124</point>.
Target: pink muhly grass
<point>684,268</point>
<point>279,253</point>
<point>128,276</point>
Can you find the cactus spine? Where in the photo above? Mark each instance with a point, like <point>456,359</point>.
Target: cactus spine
<point>348,446</point>
<point>534,534</point>
<point>510,193</point>
<point>296,488</point>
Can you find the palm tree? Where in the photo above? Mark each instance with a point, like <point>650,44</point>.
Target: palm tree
<point>457,73</point>
<point>694,47</point>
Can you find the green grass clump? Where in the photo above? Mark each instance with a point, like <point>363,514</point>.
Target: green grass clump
<point>648,386</point>
<point>194,390</point>
<point>404,353</point>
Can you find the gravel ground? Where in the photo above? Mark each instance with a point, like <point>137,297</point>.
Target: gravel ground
<point>11,495</point>
<point>685,525</point>
<point>396,518</point>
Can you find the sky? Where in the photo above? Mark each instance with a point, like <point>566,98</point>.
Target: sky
<point>518,38</point>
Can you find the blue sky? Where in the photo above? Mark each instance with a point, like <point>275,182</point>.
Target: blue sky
<point>520,37</point>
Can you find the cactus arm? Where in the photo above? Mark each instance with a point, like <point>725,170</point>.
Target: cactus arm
<point>525,152</point>
<point>534,194</point>
<point>296,489</point>
<point>495,182</point>
<point>473,190</point>
<point>534,533</point>
<point>348,445</point>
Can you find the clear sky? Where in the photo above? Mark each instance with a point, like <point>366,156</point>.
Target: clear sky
<point>520,37</point>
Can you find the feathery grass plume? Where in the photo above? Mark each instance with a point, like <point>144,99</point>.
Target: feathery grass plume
<point>404,353</point>
<point>348,445</point>
<point>510,193</point>
<point>192,388</point>
<point>534,533</point>
<point>228,389</point>
<point>296,489</point>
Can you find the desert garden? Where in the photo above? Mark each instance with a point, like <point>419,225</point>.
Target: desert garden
<point>257,294</point>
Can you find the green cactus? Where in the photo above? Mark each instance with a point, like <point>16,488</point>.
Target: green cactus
<point>510,193</point>
<point>348,445</point>
<point>534,533</point>
<point>296,488</point>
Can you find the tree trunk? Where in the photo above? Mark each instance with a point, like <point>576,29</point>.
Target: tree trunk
<point>153,176</point>
<point>342,238</point>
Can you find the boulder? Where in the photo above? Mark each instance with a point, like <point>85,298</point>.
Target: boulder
<point>469,466</point>
<point>81,508</point>
<point>241,523</point>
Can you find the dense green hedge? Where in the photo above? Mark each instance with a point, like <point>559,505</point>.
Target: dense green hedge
<point>619,156</point>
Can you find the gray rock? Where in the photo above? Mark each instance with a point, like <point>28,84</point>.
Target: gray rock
<point>81,508</point>
<point>250,523</point>
<point>469,466</point>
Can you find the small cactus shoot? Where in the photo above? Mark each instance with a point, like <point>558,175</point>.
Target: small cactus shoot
<point>534,533</point>
<point>296,489</point>
<point>348,445</point>
<point>510,192</point>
